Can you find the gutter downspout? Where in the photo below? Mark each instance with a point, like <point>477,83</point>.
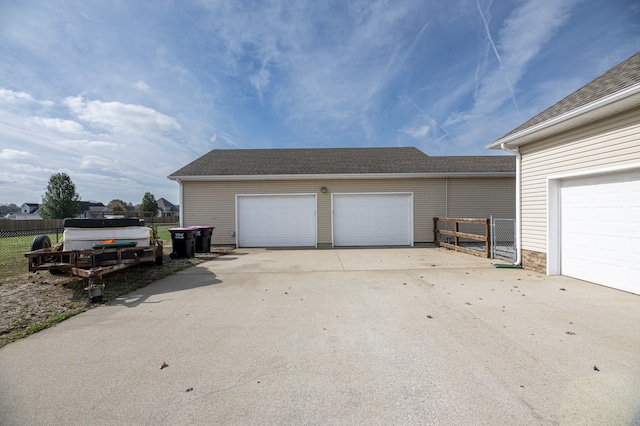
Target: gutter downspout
<point>518,236</point>
<point>446,197</point>
<point>181,198</point>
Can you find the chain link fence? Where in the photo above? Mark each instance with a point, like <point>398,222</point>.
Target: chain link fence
<point>15,243</point>
<point>503,241</point>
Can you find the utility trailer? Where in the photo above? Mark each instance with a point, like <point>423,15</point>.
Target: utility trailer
<point>88,252</point>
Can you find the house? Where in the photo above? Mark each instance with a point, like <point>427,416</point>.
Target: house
<point>578,182</point>
<point>28,211</point>
<point>324,197</point>
<point>166,209</point>
<point>29,208</point>
<point>93,210</point>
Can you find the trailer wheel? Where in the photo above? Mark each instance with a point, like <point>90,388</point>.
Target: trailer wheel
<point>40,242</point>
<point>159,261</point>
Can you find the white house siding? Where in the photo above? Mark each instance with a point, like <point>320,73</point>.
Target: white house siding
<point>213,202</point>
<point>614,141</point>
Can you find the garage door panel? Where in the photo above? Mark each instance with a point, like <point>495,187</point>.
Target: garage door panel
<point>372,219</point>
<point>276,221</point>
<point>600,230</point>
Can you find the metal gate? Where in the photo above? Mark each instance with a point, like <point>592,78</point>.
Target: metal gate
<point>503,241</point>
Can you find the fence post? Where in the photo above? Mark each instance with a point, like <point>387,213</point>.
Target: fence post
<point>455,229</point>
<point>435,231</point>
<point>493,236</point>
<point>487,230</point>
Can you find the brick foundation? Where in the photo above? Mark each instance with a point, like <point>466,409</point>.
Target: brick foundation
<point>534,260</point>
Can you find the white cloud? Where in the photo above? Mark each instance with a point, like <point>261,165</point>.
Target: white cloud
<point>14,154</point>
<point>121,117</point>
<point>141,85</point>
<point>418,132</point>
<point>96,162</point>
<point>60,125</point>
<point>102,145</point>
<point>260,81</point>
<point>13,97</point>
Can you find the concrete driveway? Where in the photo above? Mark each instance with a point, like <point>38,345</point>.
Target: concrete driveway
<point>362,336</point>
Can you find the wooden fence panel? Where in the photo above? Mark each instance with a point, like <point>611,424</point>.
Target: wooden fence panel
<point>19,225</point>
<point>456,234</point>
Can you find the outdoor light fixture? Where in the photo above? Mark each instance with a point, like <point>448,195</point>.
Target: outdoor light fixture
<point>323,189</point>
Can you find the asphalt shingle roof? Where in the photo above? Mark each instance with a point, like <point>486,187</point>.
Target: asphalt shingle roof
<point>320,161</point>
<point>622,76</point>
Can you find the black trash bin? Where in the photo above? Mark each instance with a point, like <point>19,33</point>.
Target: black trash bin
<point>183,241</point>
<point>203,238</point>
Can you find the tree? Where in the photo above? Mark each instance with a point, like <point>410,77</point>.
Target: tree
<point>149,204</point>
<point>120,206</point>
<point>115,206</point>
<point>8,208</point>
<point>61,199</point>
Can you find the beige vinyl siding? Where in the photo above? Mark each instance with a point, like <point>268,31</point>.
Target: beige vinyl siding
<point>213,202</point>
<point>481,198</point>
<point>606,143</point>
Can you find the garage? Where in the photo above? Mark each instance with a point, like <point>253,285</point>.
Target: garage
<point>276,220</point>
<point>600,229</point>
<point>372,219</point>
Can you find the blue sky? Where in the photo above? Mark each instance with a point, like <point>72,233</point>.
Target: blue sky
<point>119,94</point>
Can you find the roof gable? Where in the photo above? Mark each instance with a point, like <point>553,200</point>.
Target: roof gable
<point>165,205</point>
<point>334,161</point>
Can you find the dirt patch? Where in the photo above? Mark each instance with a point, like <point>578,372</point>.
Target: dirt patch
<point>34,301</point>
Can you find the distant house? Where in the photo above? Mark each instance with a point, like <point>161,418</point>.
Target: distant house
<point>88,210</point>
<point>28,211</point>
<point>93,210</point>
<point>578,182</point>
<point>166,209</point>
<point>29,208</point>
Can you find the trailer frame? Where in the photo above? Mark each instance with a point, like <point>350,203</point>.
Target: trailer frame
<point>93,263</point>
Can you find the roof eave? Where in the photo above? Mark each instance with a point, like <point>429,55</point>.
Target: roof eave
<point>341,176</point>
<point>603,107</point>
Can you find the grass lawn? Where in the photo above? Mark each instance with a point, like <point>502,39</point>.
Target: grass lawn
<point>12,250</point>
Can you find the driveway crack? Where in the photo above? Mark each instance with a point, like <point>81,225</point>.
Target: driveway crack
<point>339,260</point>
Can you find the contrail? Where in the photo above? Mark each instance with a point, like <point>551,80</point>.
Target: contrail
<point>426,115</point>
<point>394,58</point>
<point>493,46</point>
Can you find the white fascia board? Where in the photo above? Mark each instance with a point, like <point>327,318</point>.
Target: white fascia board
<point>342,176</point>
<point>604,107</point>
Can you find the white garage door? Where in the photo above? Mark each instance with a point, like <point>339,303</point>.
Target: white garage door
<point>600,230</point>
<point>276,220</point>
<point>372,219</point>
